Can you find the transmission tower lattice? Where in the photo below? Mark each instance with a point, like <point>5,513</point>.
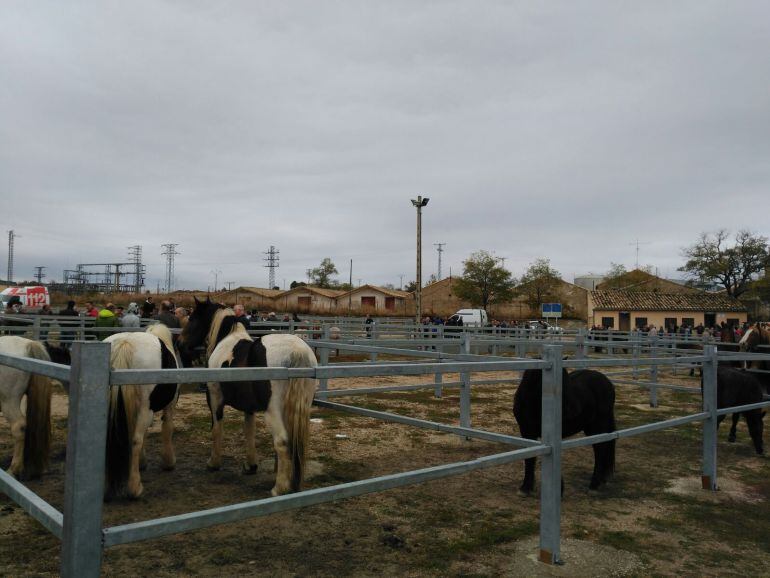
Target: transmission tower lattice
<point>39,275</point>
<point>170,252</point>
<point>440,249</point>
<point>11,236</point>
<point>135,254</point>
<point>272,264</point>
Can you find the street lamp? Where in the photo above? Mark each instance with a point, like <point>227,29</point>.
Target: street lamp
<point>419,202</point>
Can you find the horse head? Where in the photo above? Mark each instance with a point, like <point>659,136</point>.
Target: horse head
<point>195,332</point>
<point>750,340</point>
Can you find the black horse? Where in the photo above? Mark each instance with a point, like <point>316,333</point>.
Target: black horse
<point>588,405</point>
<point>738,387</point>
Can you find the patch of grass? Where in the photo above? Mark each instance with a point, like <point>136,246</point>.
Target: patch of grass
<point>619,539</point>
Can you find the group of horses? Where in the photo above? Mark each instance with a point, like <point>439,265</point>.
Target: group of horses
<point>286,403</point>
<point>588,400</point>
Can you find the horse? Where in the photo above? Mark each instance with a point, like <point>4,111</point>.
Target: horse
<point>286,403</point>
<point>588,402</point>
<point>132,408</point>
<point>31,432</point>
<point>738,387</point>
<point>756,335</point>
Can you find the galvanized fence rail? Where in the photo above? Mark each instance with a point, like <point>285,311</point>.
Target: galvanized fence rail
<point>80,525</point>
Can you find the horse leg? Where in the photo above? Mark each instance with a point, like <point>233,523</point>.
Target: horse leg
<point>274,421</point>
<point>18,423</point>
<point>167,455</point>
<point>731,436</point>
<point>754,421</point>
<point>249,467</point>
<point>143,422</point>
<point>216,405</point>
<point>529,477</point>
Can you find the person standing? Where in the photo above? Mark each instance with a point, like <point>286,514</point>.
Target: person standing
<point>167,316</point>
<point>148,308</point>
<point>106,318</point>
<point>91,311</point>
<point>240,316</point>
<point>131,317</point>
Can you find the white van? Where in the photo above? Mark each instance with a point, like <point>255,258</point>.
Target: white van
<point>30,297</point>
<point>470,318</point>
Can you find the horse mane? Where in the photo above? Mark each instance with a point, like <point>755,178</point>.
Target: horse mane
<point>222,324</point>
<point>162,332</point>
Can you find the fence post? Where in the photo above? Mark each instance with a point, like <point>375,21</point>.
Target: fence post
<point>635,353</point>
<point>89,394</point>
<point>709,475</point>
<point>36,328</point>
<point>550,468</point>
<point>82,331</point>
<point>465,389</point>
<point>438,378</point>
<point>373,356</point>
<point>654,371</point>
<point>323,359</point>
<point>580,344</point>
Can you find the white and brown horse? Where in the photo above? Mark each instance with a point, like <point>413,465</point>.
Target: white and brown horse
<point>756,335</point>
<point>286,403</point>
<point>31,431</point>
<point>132,407</point>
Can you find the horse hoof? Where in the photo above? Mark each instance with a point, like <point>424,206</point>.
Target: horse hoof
<point>248,469</point>
<point>213,468</point>
<point>168,467</point>
<point>524,493</point>
<point>731,439</point>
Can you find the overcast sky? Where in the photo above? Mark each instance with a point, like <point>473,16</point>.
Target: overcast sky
<point>565,130</point>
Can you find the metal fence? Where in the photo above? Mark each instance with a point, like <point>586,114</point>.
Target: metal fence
<point>80,528</point>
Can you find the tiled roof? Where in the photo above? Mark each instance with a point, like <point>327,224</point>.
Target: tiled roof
<point>383,290</point>
<point>651,301</point>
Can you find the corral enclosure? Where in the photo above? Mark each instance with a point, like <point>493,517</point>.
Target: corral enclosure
<point>648,520</point>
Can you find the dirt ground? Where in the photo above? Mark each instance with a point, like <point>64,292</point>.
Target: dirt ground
<point>651,520</point>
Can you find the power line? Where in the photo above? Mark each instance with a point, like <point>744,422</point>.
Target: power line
<point>272,264</point>
<point>440,250</point>
<point>170,253</point>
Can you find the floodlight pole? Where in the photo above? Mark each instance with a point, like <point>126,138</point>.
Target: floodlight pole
<point>419,202</point>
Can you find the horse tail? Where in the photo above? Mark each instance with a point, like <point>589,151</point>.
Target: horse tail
<point>37,435</point>
<point>121,422</point>
<point>296,414</point>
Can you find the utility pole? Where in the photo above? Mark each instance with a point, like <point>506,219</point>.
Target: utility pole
<point>39,275</point>
<point>216,273</point>
<point>229,285</point>
<point>170,252</point>
<point>419,203</point>
<point>350,282</point>
<point>272,264</point>
<point>440,250</point>
<point>401,282</point>
<point>135,256</point>
<point>11,236</point>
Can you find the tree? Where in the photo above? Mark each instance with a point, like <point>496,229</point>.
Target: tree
<point>484,281</point>
<point>712,260</point>
<point>616,270</point>
<point>321,275</point>
<point>411,287</point>
<point>297,284</point>
<point>539,283</point>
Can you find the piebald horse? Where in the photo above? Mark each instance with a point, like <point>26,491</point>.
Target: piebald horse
<point>132,407</point>
<point>756,335</point>
<point>31,432</point>
<point>286,403</point>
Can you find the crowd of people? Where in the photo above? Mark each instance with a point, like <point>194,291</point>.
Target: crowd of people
<point>687,330</point>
